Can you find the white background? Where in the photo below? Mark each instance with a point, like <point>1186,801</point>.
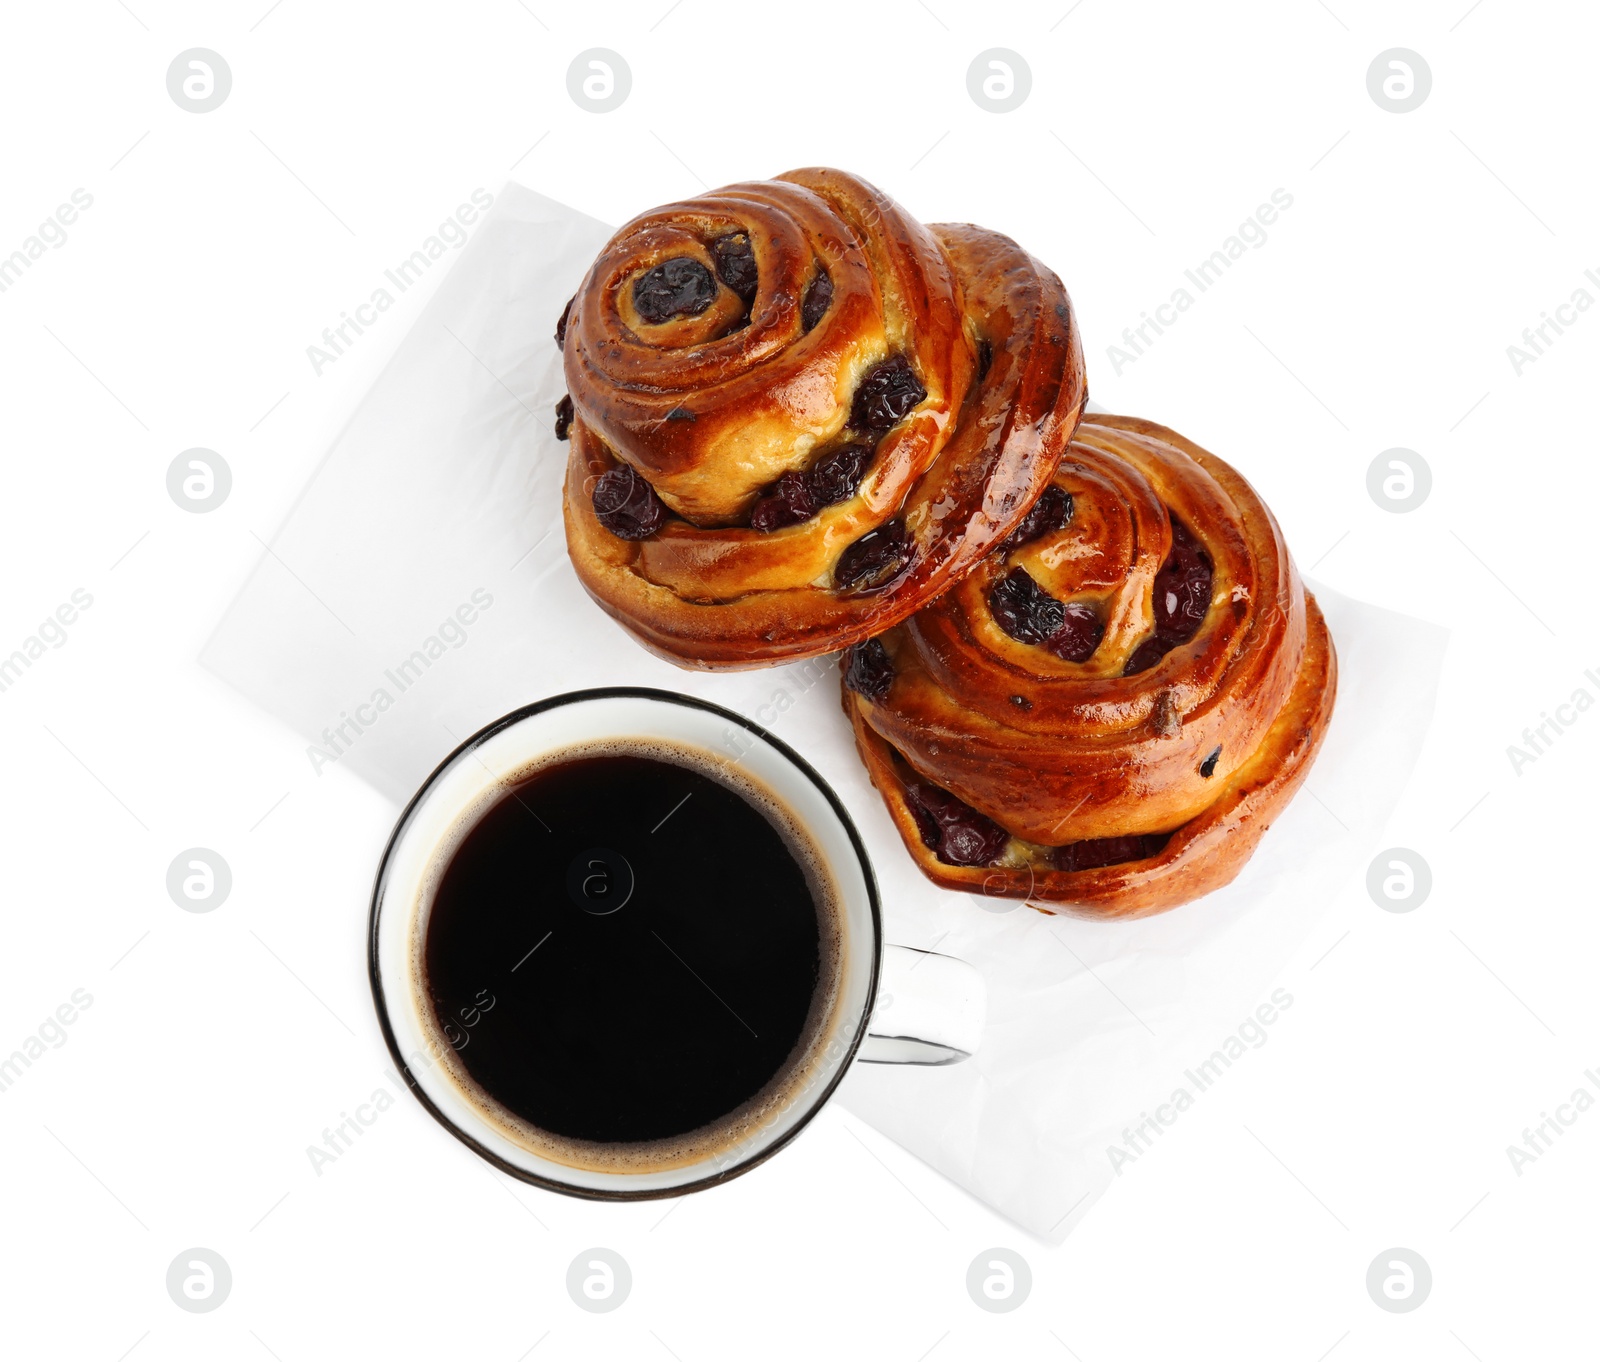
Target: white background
<point>177,314</point>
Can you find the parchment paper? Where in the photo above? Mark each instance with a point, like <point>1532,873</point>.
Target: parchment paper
<point>420,588</point>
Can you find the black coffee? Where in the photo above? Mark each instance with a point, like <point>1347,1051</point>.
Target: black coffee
<point>626,949</point>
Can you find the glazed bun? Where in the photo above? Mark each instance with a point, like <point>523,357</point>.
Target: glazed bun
<point>798,415</point>
<point>1108,712</point>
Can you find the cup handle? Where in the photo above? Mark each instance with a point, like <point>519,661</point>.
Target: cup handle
<point>930,1010</point>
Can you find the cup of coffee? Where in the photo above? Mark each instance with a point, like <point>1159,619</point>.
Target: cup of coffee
<point>625,943</point>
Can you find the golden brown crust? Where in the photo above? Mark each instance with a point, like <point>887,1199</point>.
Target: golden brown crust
<point>1059,752</point>
<point>712,418</point>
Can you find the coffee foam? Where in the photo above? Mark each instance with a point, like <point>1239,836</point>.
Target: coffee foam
<point>813,1058</point>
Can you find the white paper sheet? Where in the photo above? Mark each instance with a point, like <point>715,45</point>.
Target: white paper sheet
<point>420,588</point>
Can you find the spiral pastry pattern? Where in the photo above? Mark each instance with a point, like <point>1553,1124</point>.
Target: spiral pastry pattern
<point>1107,712</point>
<point>797,415</point>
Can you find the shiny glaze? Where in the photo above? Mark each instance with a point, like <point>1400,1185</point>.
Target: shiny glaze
<point>713,418</point>
<point>1060,752</point>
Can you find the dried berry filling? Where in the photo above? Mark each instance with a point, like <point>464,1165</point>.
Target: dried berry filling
<point>875,559</point>
<point>787,503</point>
<point>887,393</point>
<point>736,264</point>
<point>798,496</point>
<point>1053,511</point>
<point>564,416</point>
<point>868,670</point>
<point>1023,609</point>
<point>837,475</point>
<point>818,296</point>
<point>1079,635</point>
<point>561,321</point>
<point>679,287</point>
<point>1180,598</point>
<point>626,504</point>
<point>952,829</point>
<point>1099,851</point>
<point>1208,767</point>
<point>1069,630</point>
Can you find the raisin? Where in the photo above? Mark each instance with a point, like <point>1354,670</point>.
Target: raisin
<point>973,843</point>
<point>1053,511</point>
<point>985,359</point>
<point>561,321</point>
<point>837,475</point>
<point>1099,851</point>
<point>1208,767</point>
<point>953,830</point>
<point>736,264</point>
<point>1079,635</point>
<point>1024,609</point>
<point>868,670</point>
<point>927,825</point>
<point>1070,630</point>
<point>1183,586</point>
<point>563,417</point>
<point>1145,656</point>
<point>886,394</point>
<point>788,503</point>
<point>679,287</point>
<point>1180,597</point>
<point>627,505</point>
<point>799,496</point>
<point>875,559</point>
<point>819,294</point>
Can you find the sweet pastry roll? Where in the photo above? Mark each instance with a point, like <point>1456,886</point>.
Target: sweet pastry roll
<point>1105,714</point>
<point>797,415</point>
